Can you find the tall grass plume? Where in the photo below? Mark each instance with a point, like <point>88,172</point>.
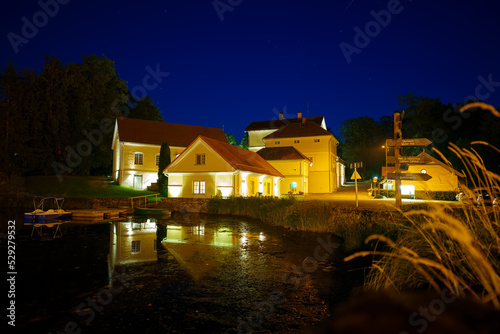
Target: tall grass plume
<point>444,246</point>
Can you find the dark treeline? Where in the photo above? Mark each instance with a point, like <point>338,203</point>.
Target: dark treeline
<point>61,120</point>
<point>363,137</point>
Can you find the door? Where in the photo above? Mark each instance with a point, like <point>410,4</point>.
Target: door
<point>138,182</point>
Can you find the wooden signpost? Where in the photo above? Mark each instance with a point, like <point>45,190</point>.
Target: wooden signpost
<point>402,161</point>
<point>416,160</point>
<point>356,176</point>
<point>409,176</point>
<point>408,142</point>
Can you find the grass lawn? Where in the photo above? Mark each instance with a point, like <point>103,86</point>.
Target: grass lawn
<point>79,187</point>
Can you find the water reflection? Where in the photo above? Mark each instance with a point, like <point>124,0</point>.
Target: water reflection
<point>133,241</point>
<point>198,247</point>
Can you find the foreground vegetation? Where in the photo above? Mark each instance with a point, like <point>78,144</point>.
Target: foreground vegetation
<point>442,249</point>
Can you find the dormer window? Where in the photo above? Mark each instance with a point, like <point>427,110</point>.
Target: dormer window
<point>296,141</point>
<point>200,159</point>
<point>276,143</point>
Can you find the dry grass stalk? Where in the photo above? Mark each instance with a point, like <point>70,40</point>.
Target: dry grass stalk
<point>446,247</point>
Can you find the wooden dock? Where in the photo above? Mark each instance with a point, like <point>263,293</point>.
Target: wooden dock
<point>101,214</point>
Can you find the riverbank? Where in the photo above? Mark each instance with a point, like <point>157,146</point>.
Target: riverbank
<point>353,224</point>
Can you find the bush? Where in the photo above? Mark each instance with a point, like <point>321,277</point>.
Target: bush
<point>436,195</point>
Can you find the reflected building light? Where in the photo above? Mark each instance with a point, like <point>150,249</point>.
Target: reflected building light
<point>199,229</point>
<point>174,235</point>
<point>262,237</point>
<point>222,236</point>
<point>151,224</point>
<point>173,227</point>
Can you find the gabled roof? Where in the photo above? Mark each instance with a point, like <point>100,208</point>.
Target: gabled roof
<point>281,153</point>
<point>237,157</point>
<point>442,164</point>
<point>276,123</point>
<point>155,133</point>
<point>302,129</point>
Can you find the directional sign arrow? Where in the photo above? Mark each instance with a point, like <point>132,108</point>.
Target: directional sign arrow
<point>356,165</point>
<point>408,142</point>
<point>409,160</point>
<point>409,176</point>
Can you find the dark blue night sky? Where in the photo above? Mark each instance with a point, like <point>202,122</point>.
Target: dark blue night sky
<point>266,56</point>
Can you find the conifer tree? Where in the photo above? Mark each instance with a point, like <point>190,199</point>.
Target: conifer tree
<point>164,162</point>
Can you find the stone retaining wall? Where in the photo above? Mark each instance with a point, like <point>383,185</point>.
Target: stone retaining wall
<point>184,205</point>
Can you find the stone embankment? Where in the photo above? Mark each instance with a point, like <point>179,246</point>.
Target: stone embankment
<point>186,205</point>
<point>183,205</point>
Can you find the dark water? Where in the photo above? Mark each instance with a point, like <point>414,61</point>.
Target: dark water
<point>184,274</point>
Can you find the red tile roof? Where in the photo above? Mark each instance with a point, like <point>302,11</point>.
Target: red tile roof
<point>276,123</point>
<point>302,129</point>
<point>281,153</point>
<point>155,133</point>
<point>239,158</point>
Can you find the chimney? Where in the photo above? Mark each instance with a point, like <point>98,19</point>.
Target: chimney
<point>281,116</point>
<point>303,121</point>
<point>299,114</point>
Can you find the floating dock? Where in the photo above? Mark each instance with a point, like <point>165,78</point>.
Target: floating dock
<point>101,214</point>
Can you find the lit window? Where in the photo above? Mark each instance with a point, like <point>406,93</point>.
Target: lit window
<point>423,171</point>
<point>136,246</point>
<point>199,187</point>
<point>138,158</point>
<point>276,142</point>
<point>200,159</point>
<point>157,160</point>
<point>296,141</point>
<point>316,140</point>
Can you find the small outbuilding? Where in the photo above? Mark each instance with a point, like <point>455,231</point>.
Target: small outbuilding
<point>443,177</point>
<point>209,167</point>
